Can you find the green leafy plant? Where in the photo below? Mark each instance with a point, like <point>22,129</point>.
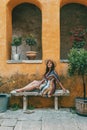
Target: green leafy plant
<point>78,37</point>
<point>17,41</point>
<point>15,107</point>
<point>78,64</point>
<point>31,41</point>
<point>31,107</point>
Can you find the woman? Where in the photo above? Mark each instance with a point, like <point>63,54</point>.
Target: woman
<point>48,84</point>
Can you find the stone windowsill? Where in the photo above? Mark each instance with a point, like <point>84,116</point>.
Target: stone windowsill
<point>64,61</point>
<point>24,61</point>
<point>31,61</point>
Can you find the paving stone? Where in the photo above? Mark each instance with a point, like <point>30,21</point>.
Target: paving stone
<point>12,114</point>
<point>28,125</point>
<point>69,124</point>
<point>1,120</point>
<point>52,124</point>
<point>36,116</point>
<point>6,128</point>
<point>9,122</point>
<point>42,119</point>
<point>81,122</point>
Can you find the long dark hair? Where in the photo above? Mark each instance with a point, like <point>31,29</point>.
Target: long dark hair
<point>52,68</point>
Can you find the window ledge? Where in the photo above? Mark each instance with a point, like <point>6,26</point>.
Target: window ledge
<point>24,61</point>
<point>64,61</point>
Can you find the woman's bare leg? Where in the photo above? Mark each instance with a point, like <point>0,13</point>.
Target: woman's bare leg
<point>31,86</point>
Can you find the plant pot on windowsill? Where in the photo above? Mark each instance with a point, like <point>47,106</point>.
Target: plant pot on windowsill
<point>16,56</point>
<point>31,55</point>
<point>17,41</point>
<point>31,41</point>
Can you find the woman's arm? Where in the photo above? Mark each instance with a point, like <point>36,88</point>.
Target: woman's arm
<point>58,81</point>
<point>42,81</point>
<point>61,85</point>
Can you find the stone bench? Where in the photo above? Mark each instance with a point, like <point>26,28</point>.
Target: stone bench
<point>35,93</point>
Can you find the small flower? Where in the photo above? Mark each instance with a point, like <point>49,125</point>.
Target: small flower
<point>78,37</point>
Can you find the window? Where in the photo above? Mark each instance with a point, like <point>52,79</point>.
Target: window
<point>26,20</point>
<point>71,16</point>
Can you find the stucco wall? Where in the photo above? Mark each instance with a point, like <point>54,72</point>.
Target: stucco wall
<point>50,42</point>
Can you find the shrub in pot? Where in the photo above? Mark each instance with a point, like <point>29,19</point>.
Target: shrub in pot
<point>77,65</point>
<point>17,41</point>
<point>31,41</point>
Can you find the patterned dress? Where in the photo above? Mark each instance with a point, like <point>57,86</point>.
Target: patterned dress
<point>49,85</point>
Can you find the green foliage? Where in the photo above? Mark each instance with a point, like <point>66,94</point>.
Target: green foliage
<point>17,41</point>
<point>31,41</point>
<point>79,44</point>
<point>78,36</point>
<point>77,62</point>
<point>15,107</point>
<point>31,107</point>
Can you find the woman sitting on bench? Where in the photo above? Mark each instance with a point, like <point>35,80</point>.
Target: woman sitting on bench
<point>48,84</point>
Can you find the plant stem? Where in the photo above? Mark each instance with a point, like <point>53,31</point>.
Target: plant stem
<point>84,87</point>
<point>31,48</point>
<point>16,49</point>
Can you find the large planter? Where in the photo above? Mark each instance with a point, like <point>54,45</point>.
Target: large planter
<point>31,55</point>
<point>81,106</point>
<point>3,102</point>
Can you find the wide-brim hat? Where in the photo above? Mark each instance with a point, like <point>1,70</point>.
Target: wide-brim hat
<point>47,60</point>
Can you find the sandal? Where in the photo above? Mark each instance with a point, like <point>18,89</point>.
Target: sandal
<point>13,91</point>
<point>29,111</point>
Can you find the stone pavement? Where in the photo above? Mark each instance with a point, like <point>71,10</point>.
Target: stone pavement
<point>42,119</point>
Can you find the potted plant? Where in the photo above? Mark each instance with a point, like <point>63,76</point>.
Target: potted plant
<point>78,37</point>
<point>78,66</point>
<point>31,41</point>
<point>17,41</point>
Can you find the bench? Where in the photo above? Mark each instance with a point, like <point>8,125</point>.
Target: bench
<point>33,93</point>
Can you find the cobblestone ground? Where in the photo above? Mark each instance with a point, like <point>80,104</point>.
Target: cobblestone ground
<point>42,119</point>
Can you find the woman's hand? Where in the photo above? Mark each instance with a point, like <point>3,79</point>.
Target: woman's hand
<point>62,87</point>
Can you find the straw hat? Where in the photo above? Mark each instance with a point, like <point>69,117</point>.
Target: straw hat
<point>47,60</point>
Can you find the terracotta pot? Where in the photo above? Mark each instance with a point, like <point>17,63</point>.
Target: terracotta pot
<point>31,55</point>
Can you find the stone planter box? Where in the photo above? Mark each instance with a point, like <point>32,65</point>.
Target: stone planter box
<point>3,102</point>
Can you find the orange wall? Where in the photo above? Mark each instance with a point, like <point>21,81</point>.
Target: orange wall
<point>50,36</point>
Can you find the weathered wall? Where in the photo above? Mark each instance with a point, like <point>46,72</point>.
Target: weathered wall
<point>68,21</point>
<point>50,43</point>
<point>26,20</point>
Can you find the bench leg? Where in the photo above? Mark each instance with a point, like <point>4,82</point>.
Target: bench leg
<point>56,102</point>
<point>24,103</point>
